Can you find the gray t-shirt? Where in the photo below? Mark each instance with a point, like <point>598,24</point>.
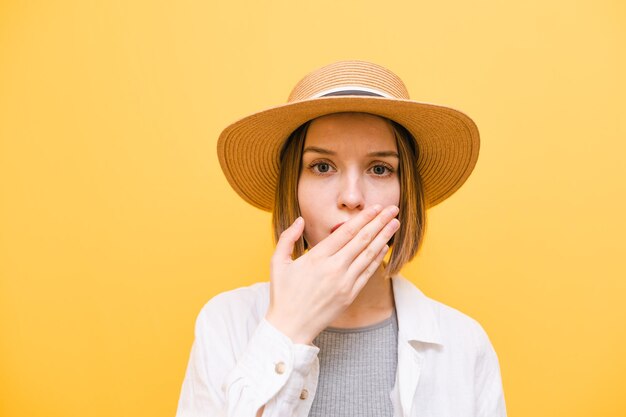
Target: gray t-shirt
<point>357,370</point>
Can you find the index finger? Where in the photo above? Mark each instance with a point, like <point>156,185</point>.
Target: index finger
<point>346,232</point>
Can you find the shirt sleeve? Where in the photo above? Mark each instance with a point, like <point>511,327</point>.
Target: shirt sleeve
<point>228,376</point>
<point>489,392</point>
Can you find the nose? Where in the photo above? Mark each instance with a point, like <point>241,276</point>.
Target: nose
<point>351,195</point>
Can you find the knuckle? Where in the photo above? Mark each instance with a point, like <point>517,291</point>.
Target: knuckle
<point>388,233</point>
<point>350,231</point>
<point>370,254</point>
<point>344,294</point>
<point>274,264</point>
<point>369,271</point>
<point>336,269</point>
<point>312,258</point>
<point>343,290</point>
<point>366,237</point>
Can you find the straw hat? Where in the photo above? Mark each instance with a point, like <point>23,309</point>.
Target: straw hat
<point>447,139</point>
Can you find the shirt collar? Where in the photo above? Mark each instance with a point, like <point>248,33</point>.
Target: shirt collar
<point>417,318</point>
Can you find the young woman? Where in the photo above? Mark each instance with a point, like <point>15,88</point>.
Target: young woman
<point>348,167</point>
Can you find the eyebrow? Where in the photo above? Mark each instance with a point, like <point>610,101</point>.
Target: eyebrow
<point>329,152</point>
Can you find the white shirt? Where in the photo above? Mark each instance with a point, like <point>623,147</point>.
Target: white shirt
<point>240,362</point>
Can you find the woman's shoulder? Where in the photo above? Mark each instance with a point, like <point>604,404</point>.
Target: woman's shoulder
<point>238,301</point>
<point>459,327</point>
<point>236,310</point>
<point>445,323</point>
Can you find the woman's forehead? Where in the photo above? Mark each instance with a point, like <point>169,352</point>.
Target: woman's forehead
<point>340,130</point>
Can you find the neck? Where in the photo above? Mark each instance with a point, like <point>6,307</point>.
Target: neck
<point>373,304</point>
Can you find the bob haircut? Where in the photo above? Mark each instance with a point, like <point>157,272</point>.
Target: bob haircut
<point>405,243</point>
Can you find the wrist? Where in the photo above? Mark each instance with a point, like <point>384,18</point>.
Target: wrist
<point>294,333</point>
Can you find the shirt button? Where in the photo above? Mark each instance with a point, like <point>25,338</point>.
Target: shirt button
<point>280,368</point>
<point>304,394</point>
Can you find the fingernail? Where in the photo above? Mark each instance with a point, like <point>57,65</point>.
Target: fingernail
<point>298,221</point>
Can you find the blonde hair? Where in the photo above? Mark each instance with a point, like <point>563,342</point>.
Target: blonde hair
<point>405,243</point>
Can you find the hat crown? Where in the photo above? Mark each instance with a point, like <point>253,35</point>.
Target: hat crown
<point>349,76</point>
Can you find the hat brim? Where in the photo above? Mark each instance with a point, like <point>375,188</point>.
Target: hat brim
<point>448,143</point>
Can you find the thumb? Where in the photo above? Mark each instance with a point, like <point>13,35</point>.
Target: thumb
<point>287,241</point>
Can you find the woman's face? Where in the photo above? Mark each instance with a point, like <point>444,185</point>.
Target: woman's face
<point>349,162</point>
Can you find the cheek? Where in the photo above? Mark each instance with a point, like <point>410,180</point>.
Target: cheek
<point>394,193</point>
<point>303,197</point>
<point>385,194</point>
<point>307,204</point>
<point>397,194</point>
<point>310,195</point>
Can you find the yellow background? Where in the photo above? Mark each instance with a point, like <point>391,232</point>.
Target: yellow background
<point>117,225</point>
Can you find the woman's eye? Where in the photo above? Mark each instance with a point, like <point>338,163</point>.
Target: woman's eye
<point>319,168</point>
<point>323,167</point>
<point>381,170</point>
